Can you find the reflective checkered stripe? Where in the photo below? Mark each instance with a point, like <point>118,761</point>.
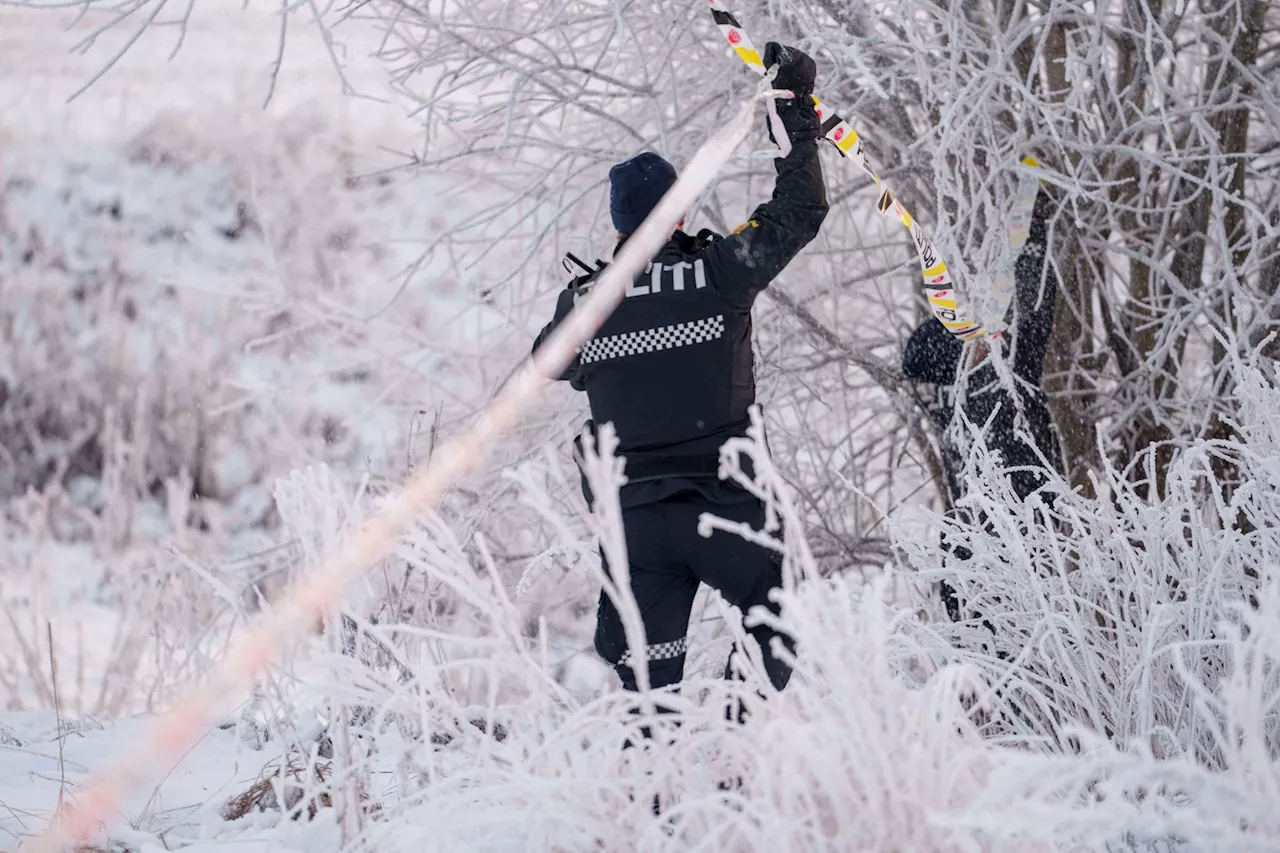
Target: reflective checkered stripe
<point>652,340</point>
<point>658,651</point>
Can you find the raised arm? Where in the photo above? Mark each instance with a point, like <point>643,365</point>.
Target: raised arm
<point>743,264</point>
<point>1035,296</point>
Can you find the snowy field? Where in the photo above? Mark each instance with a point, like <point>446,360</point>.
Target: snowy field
<point>228,333</point>
<point>162,234</point>
<point>223,66</point>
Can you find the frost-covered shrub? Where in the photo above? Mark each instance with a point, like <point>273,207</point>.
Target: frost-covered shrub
<point>163,294</point>
<point>1134,639</point>
<point>184,317</point>
<point>1127,698</point>
<point>1100,617</point>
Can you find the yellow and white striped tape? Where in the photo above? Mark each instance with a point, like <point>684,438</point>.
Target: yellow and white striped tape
<point>941,294</point>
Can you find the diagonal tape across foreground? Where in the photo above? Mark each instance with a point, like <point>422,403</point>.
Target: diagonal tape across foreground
<point>319,591</point>
<point>943,298</point>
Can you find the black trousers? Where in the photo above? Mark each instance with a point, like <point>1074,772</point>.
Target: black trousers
<point>668,560</point>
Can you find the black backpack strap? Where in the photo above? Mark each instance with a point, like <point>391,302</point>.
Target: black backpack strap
<point>581,283</point>
<point>570,256</point>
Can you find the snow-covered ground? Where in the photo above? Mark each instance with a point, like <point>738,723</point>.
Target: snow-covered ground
<point>44,762</point>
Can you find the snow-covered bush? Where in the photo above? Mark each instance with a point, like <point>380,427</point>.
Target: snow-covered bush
<point>186,316</point>
<point>150,292</point>
<point>1129,695</point>
<point>1101,616</point>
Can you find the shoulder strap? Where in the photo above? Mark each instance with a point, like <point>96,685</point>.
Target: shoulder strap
<point>582,283</point>
<point>570,256</point>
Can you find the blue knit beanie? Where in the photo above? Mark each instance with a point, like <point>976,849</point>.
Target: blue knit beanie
<point>635,188</point>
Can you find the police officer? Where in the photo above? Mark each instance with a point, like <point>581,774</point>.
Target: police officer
<point>672,369</point>
<point>932,355</point>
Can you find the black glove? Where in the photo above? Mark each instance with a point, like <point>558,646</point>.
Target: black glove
<point>1045,207</point>
<point>796,69</point>
<point>796,72</point>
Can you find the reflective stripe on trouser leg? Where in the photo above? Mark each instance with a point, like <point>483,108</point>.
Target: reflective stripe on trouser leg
<point>657,651</point>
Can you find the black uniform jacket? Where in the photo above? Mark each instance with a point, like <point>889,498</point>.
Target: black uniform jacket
<point>672,368</point>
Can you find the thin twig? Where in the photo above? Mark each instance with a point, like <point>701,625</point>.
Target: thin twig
<point>57,707</point>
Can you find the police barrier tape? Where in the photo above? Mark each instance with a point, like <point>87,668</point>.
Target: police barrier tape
<point>939,290</point>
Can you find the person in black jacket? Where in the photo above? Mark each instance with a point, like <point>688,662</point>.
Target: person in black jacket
<point>932,355</point>
<point>672,369</point>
